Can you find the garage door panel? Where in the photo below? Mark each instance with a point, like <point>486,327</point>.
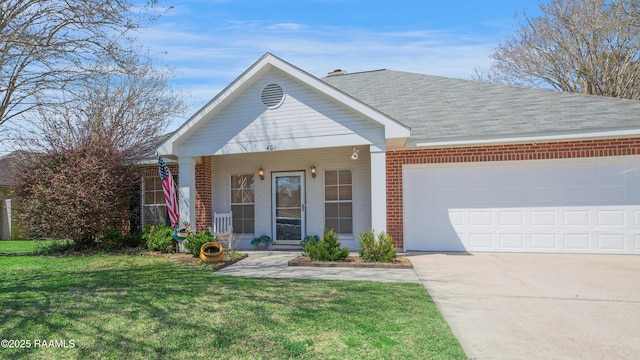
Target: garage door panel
<point>456,218</point>
<point>575,195</point>
<point>543,218</point>
<point>512,241</point>
<point>576,242</point>
<point>611,242</point>
<point>544,242</point>
<point>480,218</point>
<point>509,196</point>
<point>511,218</point>
<point>611,218</point>
<point>546,206</point>
<point>575,218</point>
<point>611,195</point>
<point>480,241</point>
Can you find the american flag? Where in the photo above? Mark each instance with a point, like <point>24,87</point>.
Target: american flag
<point>169,189</point>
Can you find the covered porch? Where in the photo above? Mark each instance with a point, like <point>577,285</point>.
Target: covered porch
<point>287,195</point>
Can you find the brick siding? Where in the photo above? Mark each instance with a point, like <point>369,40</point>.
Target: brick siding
<point>203,190</point>
<point>203,194</point>
<point>540,151</point>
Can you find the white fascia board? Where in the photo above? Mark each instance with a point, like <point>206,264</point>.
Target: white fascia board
<point>526,139</point>
<point>155,161</point>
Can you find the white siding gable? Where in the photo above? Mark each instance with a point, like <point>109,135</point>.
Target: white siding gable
<point>306,119</point>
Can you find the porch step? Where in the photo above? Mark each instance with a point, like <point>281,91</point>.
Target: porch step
<point>287,243</point>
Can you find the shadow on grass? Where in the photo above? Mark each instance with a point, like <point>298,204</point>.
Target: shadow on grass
<point>139,307</point>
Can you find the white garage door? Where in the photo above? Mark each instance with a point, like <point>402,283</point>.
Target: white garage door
<point>573,206</point>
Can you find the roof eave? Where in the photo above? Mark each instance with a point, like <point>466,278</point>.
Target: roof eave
<point>523,138</point>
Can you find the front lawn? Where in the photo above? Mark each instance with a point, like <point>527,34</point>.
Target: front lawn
<point>138,307</point>
<point>21,247</point>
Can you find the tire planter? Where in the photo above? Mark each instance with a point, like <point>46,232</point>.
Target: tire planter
<point>211,252</point>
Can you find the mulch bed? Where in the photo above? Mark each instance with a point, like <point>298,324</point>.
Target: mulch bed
<point>187,258</point>
<point>352,261</point>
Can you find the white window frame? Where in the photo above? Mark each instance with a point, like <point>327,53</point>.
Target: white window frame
<point>348,235</point>
<point>236,217</point>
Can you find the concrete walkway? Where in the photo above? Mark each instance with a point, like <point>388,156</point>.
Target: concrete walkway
<point>273,264</point>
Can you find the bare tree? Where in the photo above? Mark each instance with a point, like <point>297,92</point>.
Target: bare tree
<point>82,166</point>
<point>48,46</point>
<point>118,112</point>
<point>584,46</point>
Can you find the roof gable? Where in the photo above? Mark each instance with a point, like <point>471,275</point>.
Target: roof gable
<point>304,118</point>
<point>266,64</point>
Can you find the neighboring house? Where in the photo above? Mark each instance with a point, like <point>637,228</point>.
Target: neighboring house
<point>8,223</point>
<point>440,164</point>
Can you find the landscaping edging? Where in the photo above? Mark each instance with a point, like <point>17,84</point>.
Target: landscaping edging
<point>352,262</point>
<point>187,258</point>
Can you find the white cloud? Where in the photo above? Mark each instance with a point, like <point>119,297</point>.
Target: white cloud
<point>286,26</point>
<point>207,58</point>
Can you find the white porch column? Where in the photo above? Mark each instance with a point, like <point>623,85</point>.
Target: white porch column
<point>7,221</point>
<point>187,191</point>
<point>378,190</point>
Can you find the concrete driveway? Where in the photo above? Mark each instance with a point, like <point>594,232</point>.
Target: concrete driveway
<point>537,306</point>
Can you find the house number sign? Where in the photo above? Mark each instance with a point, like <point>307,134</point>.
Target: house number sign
<point>271,147</point>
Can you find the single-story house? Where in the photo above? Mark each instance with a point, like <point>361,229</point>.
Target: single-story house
<point>440,164</point>
<point>8,205</point>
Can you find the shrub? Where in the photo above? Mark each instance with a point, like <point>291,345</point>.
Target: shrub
<point>381,250</point>
<point>308,238</point>
<point>111,240</point>
<point>77,193</point>
<point>195,241</point>
<point>56,247</point>
<point>327,249</point>
<point>159,238</point>
<point>134,239</point>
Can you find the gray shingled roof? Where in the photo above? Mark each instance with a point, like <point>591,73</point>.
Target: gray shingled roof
<point>8,165</point>
<point>148,149</point>
<point>447,109</point>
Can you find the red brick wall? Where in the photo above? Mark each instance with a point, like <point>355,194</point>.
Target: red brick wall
<point>203,190</point>
<point>203,194</point>
<point>539,151</point>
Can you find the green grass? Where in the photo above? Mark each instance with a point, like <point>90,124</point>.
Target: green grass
<point>21,247</point>
<point>137,307</point>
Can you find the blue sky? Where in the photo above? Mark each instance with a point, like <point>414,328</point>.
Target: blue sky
<point>208,43</point>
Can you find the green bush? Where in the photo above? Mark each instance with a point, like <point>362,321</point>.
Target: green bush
<point>111,240</point>
<point>159,238</point>
<point>56,247</point>
<point>308,238</point>
<point>195,241</point>
<point>327,249</point>
<point>134,239</point>
<point>381,250</point>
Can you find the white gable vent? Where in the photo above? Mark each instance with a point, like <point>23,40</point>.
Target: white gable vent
<point>272,96</point>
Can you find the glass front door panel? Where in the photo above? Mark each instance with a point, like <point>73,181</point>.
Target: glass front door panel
<point>289,206</point>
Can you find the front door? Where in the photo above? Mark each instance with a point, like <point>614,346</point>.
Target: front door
<point>288,207</point>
